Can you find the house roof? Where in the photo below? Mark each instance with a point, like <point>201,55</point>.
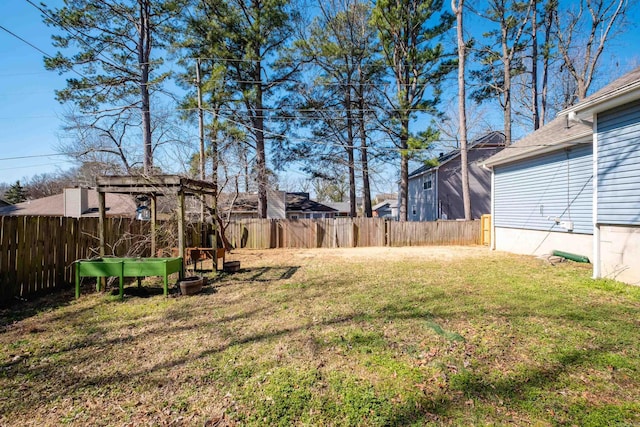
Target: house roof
<point>385,196</point>
<point>571,127</point>
<point>390,202</point>
<point>339,206</point>
<point>556,134</point>
<point>618,89</point>
<point>491,139</point>
<point>295,202</point>
<point>120,205</point>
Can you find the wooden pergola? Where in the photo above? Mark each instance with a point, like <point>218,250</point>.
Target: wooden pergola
<point>152,187</point>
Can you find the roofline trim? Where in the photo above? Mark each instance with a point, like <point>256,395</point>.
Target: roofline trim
<point>616,98</point>
<point>535,151</point>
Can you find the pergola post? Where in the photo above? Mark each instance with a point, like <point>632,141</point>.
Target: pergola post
<point>154,217</point>
<point>102,211</point>
<point>181,245</point>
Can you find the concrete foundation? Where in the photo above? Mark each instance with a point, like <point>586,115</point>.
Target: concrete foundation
<point>533,242</point>
<point>620,253</point>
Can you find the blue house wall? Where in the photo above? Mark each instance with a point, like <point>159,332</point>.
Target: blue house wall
<point>531,193</point>
<point>618,140</point>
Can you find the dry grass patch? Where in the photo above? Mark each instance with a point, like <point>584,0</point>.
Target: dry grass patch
<point>372,336</point>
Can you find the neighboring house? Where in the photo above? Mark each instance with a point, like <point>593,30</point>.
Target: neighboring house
<point>280,205</point>
<point>574,184</point>
<point>74,202</point>
<point>435,192</point>
<point>342,208</point>
<point>386,209</point>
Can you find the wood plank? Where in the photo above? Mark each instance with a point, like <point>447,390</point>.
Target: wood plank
<point>20,256</point>
<point>36,256</point>
<point>6,291</point>
<point>58,231</point>
<point>50,254</point>
<point>13,254</point>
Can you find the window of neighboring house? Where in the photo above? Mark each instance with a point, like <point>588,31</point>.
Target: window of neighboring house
<point>294,217</point>
<point>427,184</point>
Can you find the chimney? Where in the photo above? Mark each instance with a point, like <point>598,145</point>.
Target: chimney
<point>75,202</point>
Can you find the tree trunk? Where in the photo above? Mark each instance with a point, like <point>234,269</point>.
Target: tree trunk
<point>144,55</point>
<point>404,169</point>
<point>534,66</point>
<point>364,156</point>
<point>364,161</point>
<point>506,90</point>
<point>214,155</point>
<point>462,114</point>
<point>203,201</point>
<point>549,17</point>
<point>350,153</point>
<point>261,163</point>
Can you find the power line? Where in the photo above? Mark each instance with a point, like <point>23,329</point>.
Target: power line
<point>36,47</point>
<point>25,41</point>
<point>35,156</point>
<point>38,165</point>
<point>81,37</point>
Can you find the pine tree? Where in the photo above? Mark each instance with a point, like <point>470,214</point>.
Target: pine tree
<point>418,63</point>
<point>111,46</point>
<point>16,193</point>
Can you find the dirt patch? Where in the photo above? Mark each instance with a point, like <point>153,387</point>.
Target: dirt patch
<point>252,258</point>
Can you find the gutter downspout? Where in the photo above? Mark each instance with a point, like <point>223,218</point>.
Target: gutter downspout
<point>597,271</point>
<point>493,209</point>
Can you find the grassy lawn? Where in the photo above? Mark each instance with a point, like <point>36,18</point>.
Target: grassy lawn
<point>413,336</point>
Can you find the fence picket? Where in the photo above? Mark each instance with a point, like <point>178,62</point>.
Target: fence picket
<point>37,253</point>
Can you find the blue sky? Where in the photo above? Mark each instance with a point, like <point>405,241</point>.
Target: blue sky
<point>30,116</point>
<point>28,111</point>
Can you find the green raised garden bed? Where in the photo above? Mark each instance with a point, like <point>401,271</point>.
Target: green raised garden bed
<point>127,267</point>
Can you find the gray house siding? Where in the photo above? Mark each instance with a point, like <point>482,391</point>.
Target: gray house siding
<point>618,137</point>
<point>436,192</point>
<point>422,202</point>
<point>531,193</point>
<point>450,186</point>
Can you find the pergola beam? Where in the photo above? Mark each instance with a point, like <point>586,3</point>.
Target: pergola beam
<point>152,186</point>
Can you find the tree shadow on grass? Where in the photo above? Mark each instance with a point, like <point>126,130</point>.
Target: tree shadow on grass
<point>23,309</point>
<point>510,390</point>
<point>260,274</point>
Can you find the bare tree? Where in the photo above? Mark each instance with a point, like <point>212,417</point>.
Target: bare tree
<point>550,12</point>
<point>458,7</point>
<point>582,35</point>
<point>501,59</point>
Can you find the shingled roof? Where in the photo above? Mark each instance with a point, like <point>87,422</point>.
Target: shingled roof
<point>295,202</point>
<point>491,139</point>
<point>557,133</point>
<point>563,131</point>
<point>118,205</point>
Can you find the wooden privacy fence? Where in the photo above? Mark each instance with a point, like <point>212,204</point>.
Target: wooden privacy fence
<point>37,253</point>
<point>348,233</point>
